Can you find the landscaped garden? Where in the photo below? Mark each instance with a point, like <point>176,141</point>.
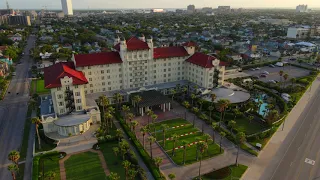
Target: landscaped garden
<point>37,86</point>
<point>85,166</point>
<point>46,166</point>
<point>179,138</point>
<point>226,173</point>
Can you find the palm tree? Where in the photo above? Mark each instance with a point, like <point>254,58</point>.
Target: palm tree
<point>37,122</point>
<point>184,90</point>
<point>134,124</point>
<point>50,175</point>
<point>173,92</point>
<point>13,168</point>
<point>130,117</point>
<point>214,127</point>
<point>207,137</point>
<point>197,139</point>
<point>132,174</point>
<point>137,100</point>
<point>222,106</point>
<point>186,104</point>
<point>281,74</point>
<point>213,98</point>
<point>175,139</point>
<point>210,108</point>
<point>111,110</point>
<point>200,101</point>
<point>164,128</point>
<point>107,116</point>
<point>14,156</point>
<point>231,124</point>
<point>241,137</point>
<point>126,165</point>
<point>114,176</point>
<point>272,116</point>
<point>250,118</point>
<point>157,161</point>
<point>151,141</point>
<point>125,110</point>
<point>115,150</point>
<point>195,110</point>
<point>104,102</point>
<point>171,176</point>
<point>193,97</point>
<point>184,144</point>
<point>222,135</point>
<point>285,77</point>
<point>236,113</point>
<point>143,130</point>
<point>149,114</point>
<point>117,98</point>
<point>202,147</point>
<point>154,117</point>
<point>119,134</point>
<point>124,147</point>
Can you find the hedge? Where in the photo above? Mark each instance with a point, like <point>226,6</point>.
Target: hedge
<point>36,160</point>
<point>303,67</point>
<point>258,65</point>
<point>155,171</point>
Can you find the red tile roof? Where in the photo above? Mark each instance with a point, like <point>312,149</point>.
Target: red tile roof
<point>166,52</point>
<point>97,59</point>
<point>54,73</point>
<point>189,44</point>
<point>133,44</point>
<point>201,59</point>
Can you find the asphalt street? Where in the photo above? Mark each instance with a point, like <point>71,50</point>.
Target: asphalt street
<point>301,158</point>
<point>13,110</point>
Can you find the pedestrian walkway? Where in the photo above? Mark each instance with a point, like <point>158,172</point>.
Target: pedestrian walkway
<point>265,164</point>
<point>63,175</point>
<point>28,163</point>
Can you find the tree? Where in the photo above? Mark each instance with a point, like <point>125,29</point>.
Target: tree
<point>154,117</point>
<point>157,161</point>
<point>118,98</point>
<point>119,134</point>
<point>213,98</point>
<point>104,102</point>
<point>250,118</point>
<point>195,110</point>
<point>33,104</point>
<point>210,108</point>
<point>240,138</point>
<point>136,100</point>
<point>134,124</point>
<point>125,110</point>
<point>37,122</point>
<point>14,156</point>
<point>236,113</point>
<point>175,139</point>
<point>50,175</point>
<point>149,114</point>
<point>143,130</point>
<point>222,106</point>
<point>285,77</point>
<point>126,165</point>
<point>200,102</point>
<point>232,124</point>
<point>111,110</point>
<point>272,116</point>
<point>184,144</point>
<point>186,104</point>
<point>13,168</point>
<point>222,135</point>
<point>151,141</point>
<point>214,127</point>
<point>164,128</point>
<point>115,150</point>
<point>108,116</point>
<point>281,74</point>
<point>173,92</point>
<point>202,146</point>
<point>130,117</point>
<point>132,174</point>
<point>114,176</point>
<point>171,176</point>
<point>124,147</point>
<point>193,97</point>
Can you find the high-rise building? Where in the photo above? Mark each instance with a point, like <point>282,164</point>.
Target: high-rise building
<point>224,9</point>
<point>191,9</point>
<point>302,8</point>
<point>67,7</point>
<point>20,20</point>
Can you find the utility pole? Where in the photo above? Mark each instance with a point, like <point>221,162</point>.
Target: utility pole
<point>8,7</point>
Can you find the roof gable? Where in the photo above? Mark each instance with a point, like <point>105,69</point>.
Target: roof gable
<point>54,73</point>
<point>189,44</point>
<point>133,44</point>
<point>201,59</point>
<point>97,59</point>
<point>166,52</point>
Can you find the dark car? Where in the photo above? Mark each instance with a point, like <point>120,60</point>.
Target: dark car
<point>263,75</point>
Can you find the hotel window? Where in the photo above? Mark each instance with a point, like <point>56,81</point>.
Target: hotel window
<point>145,55</point>
<point>78,108</point>
<point>135,56</point>
<point>60,103</point>
<point>78,101</point>
<point>89,67</point>
<point>103,89</point>
<point>89,72</point>
<point>91,85</point>
<point>140,55</point>
<point>165,64</point>
<point>58,88</point>
<point>77,93</point>
<point>76,86</point>
<point>169,69</point>
<point>109,83</point>
<point>108,71</point>
<point>60,96</point>
<point>61,111</point>
<point>90,79</point>
<point>109,88</point>
<point>102,71</point>
<point>102,78</point>
<point>164,70</point>
<point>103,83</point>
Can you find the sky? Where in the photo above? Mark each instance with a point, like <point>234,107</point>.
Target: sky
<point>116,4</point>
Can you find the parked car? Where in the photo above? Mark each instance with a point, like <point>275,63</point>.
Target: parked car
<point>293,59</point>
<point>272,81</point>
<point>263,75</point>
<point>271,65</point>
<point>265,72</point>
<point>252,69</point>
<point>279,64</point>
<point>258,68</point>
<point>255,77</point>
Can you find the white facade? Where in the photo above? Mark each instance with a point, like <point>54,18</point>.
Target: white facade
<point>298,32</point>
<point>302,8</point>
<point>67,7</point>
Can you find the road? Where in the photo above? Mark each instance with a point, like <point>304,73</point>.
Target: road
<point>301,159</point>
<point>13,110</point>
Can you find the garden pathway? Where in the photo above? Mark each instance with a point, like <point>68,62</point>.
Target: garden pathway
<point>63,175</point>
<point>191,171</point>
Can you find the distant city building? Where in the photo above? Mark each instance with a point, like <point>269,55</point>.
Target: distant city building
<point>67,7</point>
<point>20,20</point>
<point>157,10</point>
<point>224,9</point>
<point>179,11</point>
<point>302,32</point>
<point>4,19</point>
<point>207,10</point>
<point>191,9</point>
<point>302,8</point>
<point>7,12</point>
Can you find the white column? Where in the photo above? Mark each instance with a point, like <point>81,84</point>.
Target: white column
<point>142,111</point>
<point>164,107</point>
<point>169,106</point>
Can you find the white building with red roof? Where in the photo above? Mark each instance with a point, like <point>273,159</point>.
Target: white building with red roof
<point>133,65</point>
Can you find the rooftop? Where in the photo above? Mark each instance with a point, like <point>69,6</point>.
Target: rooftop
<point>72,120</point>
<point>97,59</point>
<point>134,44</point>
<point>201,59</point>
<point>166,52</point>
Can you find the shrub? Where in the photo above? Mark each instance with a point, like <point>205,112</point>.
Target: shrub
<point>36,160</point>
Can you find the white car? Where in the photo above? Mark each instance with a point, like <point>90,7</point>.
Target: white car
<point>273,81</point>
<point>258,68</point>
<point>266,72</point>
<point>252,69</point>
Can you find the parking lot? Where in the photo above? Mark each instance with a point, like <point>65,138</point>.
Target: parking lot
<point>292,71</point>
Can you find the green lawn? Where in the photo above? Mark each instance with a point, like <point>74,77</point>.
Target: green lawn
<point>84,166</point>
<point>243,125</point>
<point>114,163</point>
<point>50,163</point>
<point>226,173</point>
<point>213,149</point>
<point>39,87</point>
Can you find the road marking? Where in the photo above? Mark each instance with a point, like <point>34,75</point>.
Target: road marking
<point>309,161</point>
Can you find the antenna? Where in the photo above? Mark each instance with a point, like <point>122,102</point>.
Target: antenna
<point>8,7</point>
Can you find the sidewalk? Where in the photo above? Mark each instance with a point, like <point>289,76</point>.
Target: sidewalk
<point>264,165</point>
<point>29,159</point>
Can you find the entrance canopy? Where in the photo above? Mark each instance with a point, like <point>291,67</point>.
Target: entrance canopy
<point>151,98</point>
